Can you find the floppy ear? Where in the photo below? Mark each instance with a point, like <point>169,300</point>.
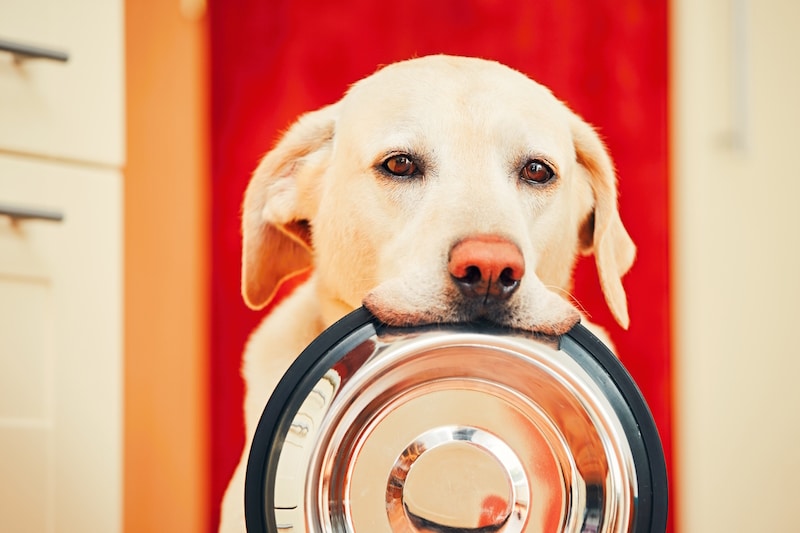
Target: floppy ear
<point>603,233</point>
<point>279,203</point>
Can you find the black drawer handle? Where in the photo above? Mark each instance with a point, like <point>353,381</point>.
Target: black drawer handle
<point>27,213</point>
<point>23,51</point>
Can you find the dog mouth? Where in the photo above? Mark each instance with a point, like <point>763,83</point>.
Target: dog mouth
<point>552,322</point>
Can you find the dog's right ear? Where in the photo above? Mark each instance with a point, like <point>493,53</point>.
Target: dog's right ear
<point>280,201</point>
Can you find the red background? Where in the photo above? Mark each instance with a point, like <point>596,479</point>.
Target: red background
<point>272,60</point>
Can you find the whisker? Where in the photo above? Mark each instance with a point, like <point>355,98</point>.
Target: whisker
<point>572,298</point>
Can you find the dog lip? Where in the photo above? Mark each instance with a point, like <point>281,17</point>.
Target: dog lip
<point>496,315</point>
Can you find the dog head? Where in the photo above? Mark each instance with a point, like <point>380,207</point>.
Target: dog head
<point>439,189</point>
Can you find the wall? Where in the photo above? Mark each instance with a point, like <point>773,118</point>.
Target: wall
<point>166,258</point>
<point>736,187</point>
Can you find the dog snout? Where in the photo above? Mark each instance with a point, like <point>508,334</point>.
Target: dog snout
<point>487,267</point>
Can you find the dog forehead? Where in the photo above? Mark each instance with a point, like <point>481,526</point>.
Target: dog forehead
<point>445,92</point>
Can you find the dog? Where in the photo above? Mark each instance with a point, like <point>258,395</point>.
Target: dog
<point>439,189</point>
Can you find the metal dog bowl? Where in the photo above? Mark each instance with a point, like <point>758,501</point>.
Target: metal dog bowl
<point>456,428</point>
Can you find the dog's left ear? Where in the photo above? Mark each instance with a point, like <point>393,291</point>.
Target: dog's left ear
<point>602,233</point>
<point>279,203</point>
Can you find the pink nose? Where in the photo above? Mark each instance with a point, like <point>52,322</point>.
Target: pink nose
<point>486,266</point>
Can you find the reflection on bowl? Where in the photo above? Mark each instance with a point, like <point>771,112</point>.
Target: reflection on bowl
<point>456,428</point>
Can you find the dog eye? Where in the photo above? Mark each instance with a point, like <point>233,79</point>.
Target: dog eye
<point>537,171</point>
<point>401,165</point>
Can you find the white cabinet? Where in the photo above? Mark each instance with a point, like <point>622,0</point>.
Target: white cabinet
<point>61,151</point>
<point>71,110</point>
<point>60,349</point>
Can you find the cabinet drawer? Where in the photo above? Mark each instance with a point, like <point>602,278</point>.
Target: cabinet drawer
<point>60,348</point>
<point>70,110</point>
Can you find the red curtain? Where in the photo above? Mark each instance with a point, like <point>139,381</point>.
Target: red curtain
<point>274,59</point>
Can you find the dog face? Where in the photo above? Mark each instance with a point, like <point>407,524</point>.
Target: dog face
<point>440,189</point>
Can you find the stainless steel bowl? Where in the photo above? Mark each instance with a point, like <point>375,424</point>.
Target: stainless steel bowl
<point>455,428</point>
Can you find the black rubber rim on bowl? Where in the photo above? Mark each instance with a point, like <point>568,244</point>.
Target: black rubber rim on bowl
<point>586,349</point>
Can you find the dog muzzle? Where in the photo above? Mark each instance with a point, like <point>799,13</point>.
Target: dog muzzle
<point>455,428</point>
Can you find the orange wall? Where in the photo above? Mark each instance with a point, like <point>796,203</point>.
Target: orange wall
<point>166,268</point>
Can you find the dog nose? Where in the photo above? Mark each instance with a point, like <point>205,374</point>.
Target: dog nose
<point>486,266</point>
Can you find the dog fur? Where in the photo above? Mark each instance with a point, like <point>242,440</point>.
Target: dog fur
<point>324,199</point>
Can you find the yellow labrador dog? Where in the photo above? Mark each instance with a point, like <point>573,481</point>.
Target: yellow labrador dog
<point>439,189</point>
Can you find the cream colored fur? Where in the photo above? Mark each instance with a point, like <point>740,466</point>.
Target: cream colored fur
<point>319,201</point>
